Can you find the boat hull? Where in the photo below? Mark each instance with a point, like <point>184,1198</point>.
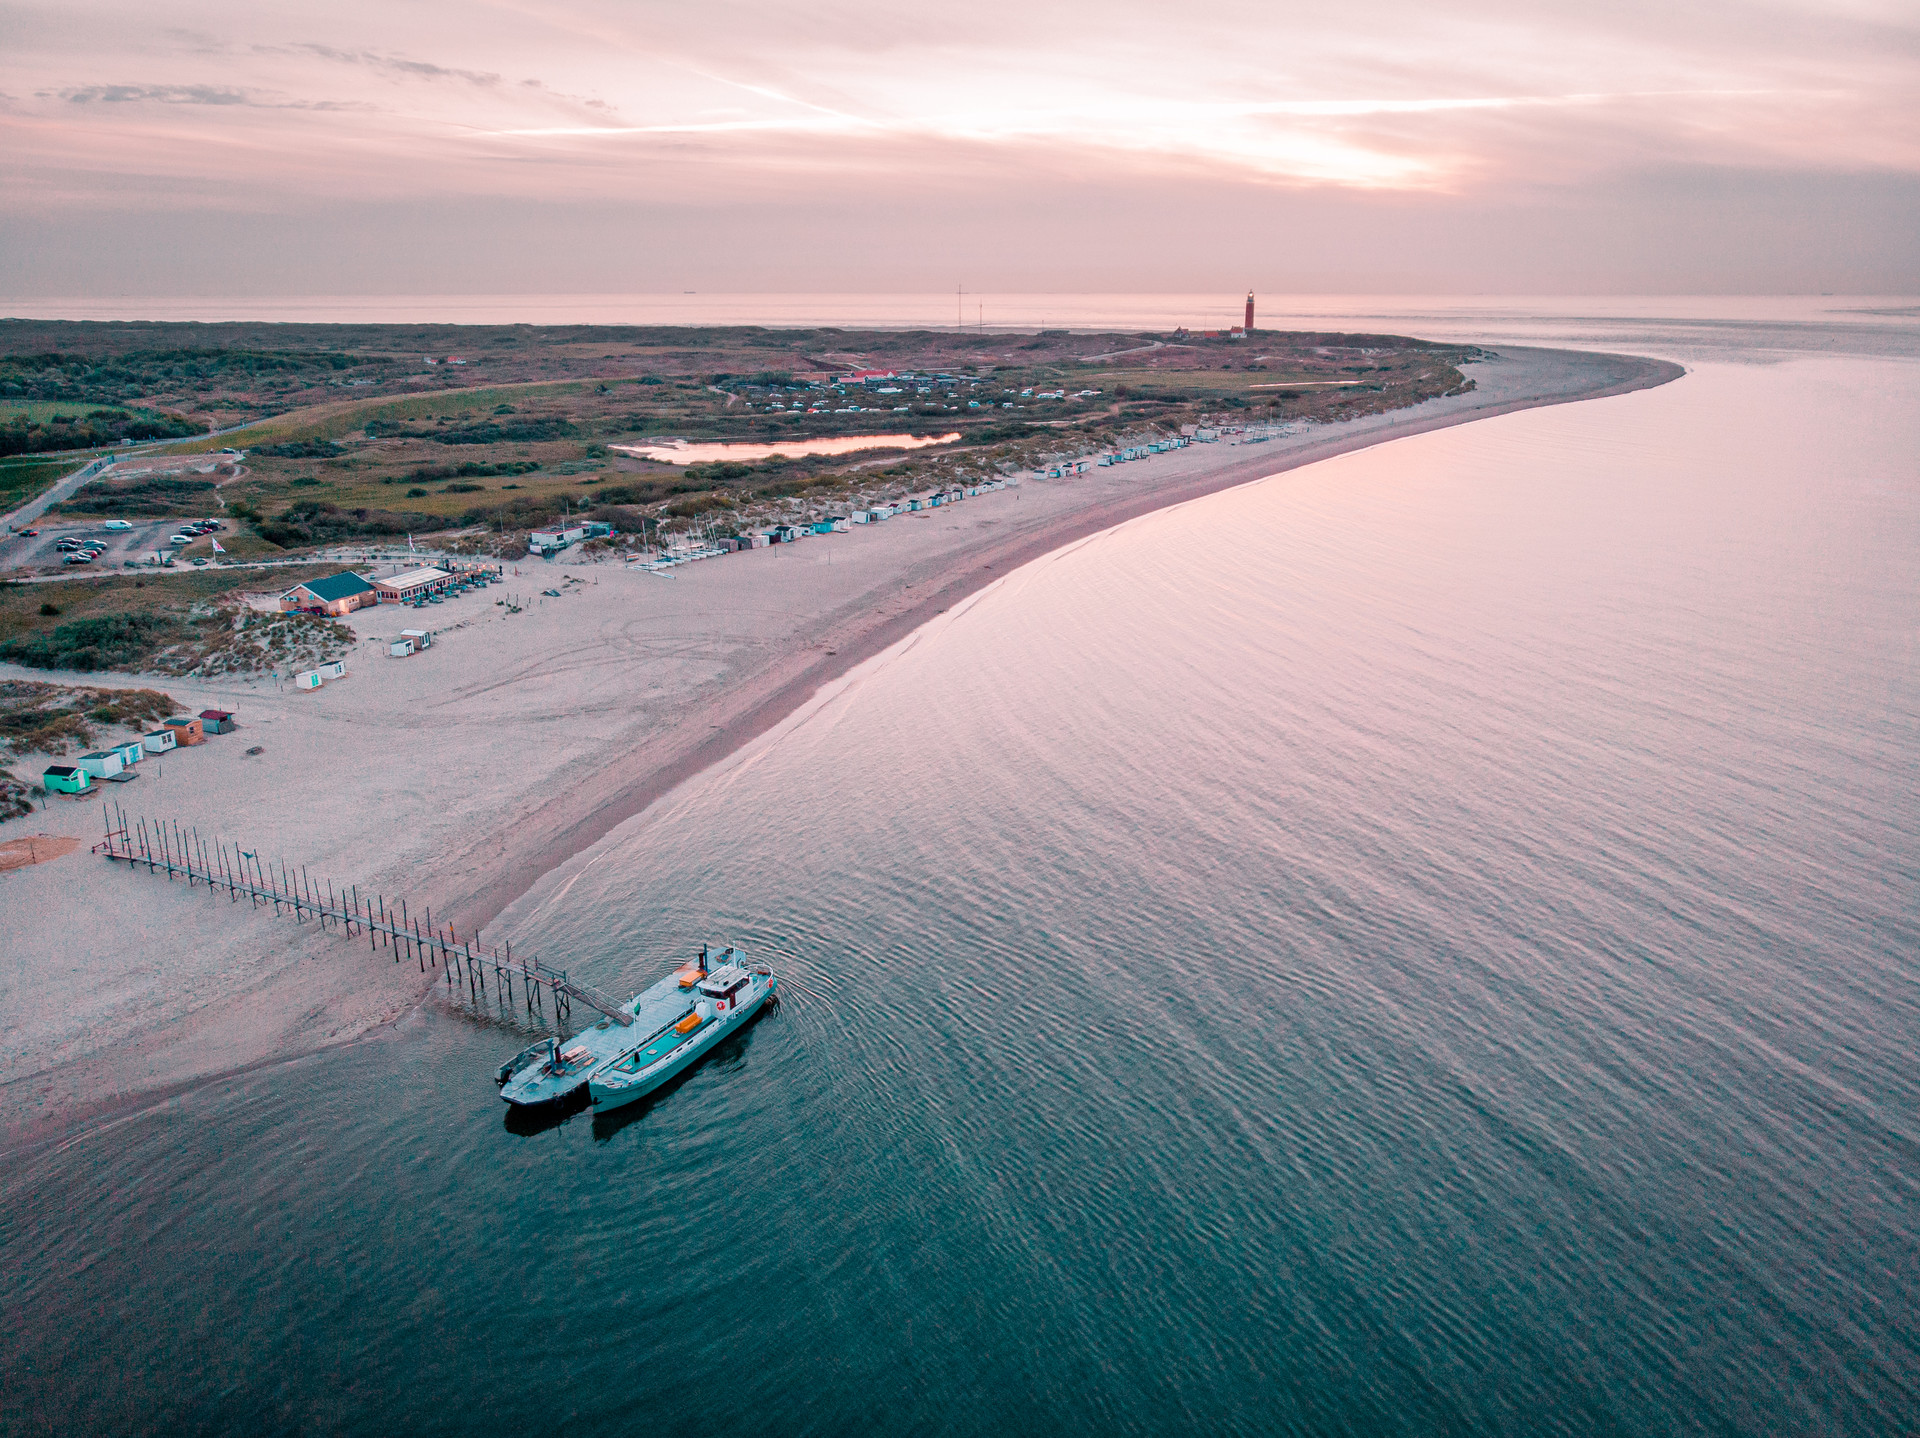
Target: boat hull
<point>611,1090</point>
<point>539,1085</point>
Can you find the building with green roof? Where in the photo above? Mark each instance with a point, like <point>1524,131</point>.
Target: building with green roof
<point>336,595</point>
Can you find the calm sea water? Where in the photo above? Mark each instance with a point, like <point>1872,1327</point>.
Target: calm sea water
<point>1423,944</point>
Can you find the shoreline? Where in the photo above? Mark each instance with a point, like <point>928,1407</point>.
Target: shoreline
<point>265,1013</point>
<point>770,703</point>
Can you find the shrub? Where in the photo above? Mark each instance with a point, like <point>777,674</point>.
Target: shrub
<point>112,641</point>
<point>493,431</point>
<point>303,449</point>
<point>314,521</point>
<point>159,495</point>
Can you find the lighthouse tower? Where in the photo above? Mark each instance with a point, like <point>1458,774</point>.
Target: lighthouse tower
<point>1249,311</point>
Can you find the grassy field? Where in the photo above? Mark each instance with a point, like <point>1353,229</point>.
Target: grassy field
<point>22,479</point>
<point>45,410</point>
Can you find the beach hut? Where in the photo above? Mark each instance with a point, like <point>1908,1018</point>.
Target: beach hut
<point>130,752</point>
<point>332,669</point>
<point>159,741</point>
<point>840,526</point>
<point>310,679</point>
<point>422,638</point>
<point>103,764</point>
<point>400,648</point>
<point>188,732</point>
<point>822,526</point>
<point>216,721</point>
<point>65,779</point>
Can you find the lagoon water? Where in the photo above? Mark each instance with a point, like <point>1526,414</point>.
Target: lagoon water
<point>1423,944</point>
<point>680,452</point>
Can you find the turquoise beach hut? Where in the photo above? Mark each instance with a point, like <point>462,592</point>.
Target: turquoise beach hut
<point>66,779</point>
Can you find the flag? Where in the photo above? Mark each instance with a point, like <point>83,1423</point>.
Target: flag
<point>217,549</point>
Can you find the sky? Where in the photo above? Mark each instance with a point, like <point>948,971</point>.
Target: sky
<point>626,146</point>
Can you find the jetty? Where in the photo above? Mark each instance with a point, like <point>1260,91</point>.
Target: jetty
<point>182,852</point>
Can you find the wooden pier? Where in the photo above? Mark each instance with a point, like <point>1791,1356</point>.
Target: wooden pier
<point>164,846</point>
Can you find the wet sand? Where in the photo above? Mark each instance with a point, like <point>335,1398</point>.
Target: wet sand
<point>459,776</point>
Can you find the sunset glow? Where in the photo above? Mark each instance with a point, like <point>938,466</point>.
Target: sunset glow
<point>676,118</point>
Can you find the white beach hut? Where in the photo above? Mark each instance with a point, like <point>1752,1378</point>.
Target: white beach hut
<point>103,764</point>
<point>332,669</point>
<point>130,752</point>
<point>310,679</point>
<point>159,741</point>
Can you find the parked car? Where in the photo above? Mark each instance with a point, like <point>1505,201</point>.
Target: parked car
<point>29,534</point>
<point>117,524</point>
<point>78,559</point>
<point>183,540</point>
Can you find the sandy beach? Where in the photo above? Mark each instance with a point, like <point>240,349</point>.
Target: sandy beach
<point>459,776</point>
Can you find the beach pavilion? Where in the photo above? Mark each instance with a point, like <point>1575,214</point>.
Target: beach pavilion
<point>412,584</point>
<point>337,594</point>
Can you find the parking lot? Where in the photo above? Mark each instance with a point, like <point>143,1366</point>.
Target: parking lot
<point>19,552</point>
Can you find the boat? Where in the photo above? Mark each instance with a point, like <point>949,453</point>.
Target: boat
<point>555,1069</point>
<point>719,1003</point>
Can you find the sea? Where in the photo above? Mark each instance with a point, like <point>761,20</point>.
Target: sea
<point>1427,943</point>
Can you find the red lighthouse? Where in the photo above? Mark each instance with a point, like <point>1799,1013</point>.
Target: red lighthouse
<point>1249,311</point>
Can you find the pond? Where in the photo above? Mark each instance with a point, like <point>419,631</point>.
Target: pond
<point>679,452</point>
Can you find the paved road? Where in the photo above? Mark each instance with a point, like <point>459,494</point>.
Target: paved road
<point>34,508</point>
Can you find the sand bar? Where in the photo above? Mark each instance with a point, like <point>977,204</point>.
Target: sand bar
<point>462,774</point>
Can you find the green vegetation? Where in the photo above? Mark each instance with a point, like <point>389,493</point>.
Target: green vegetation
<point>22,434</point>
<point>51,718</point>
<point>149,495</point>
<point>22,479</point>
<point>114,641</point>
<point>304,449</point>
<point>523,430</point>
<point>486,432</point>
<point>200,641</point>
<point>16,799</point>
<point>315,521</point>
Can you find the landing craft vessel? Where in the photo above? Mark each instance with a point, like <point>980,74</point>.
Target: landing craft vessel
<point>556,1069</point>
<point>719,1003</point>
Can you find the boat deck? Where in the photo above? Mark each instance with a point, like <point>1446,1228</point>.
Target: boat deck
<point>661,1045</point>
